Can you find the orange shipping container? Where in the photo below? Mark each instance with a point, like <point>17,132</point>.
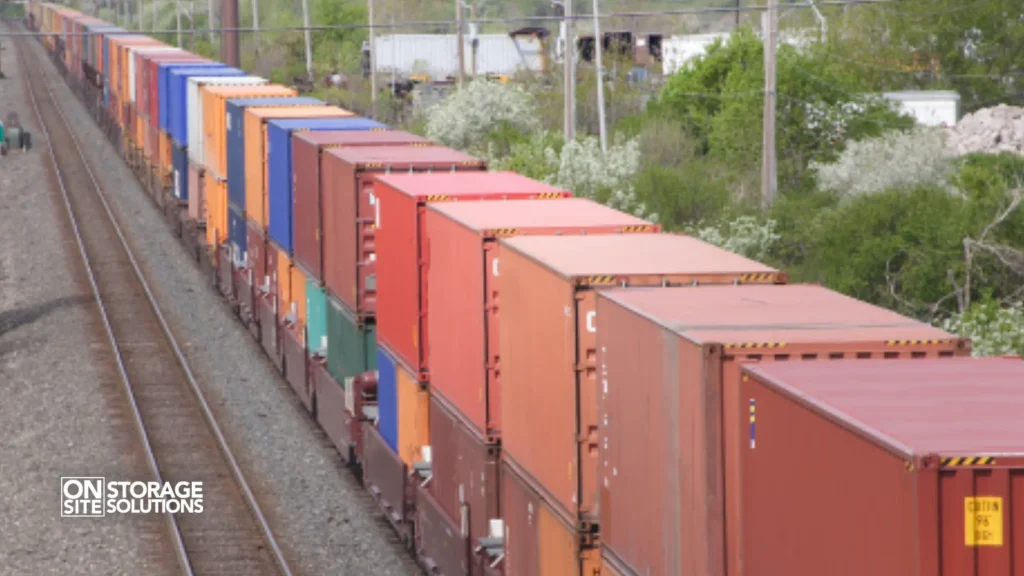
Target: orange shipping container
<point>166,161</point>
<point>884,468</point>
<point>414,425</point>
<point>297,295</point>
<point>670,361</point>
<point>215,117</point>
<point>216,198</point>
<point>256,200</point>
<point>548,356</point>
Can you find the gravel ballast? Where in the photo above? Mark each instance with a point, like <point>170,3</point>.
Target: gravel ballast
<point>326,523</point>
<point>61,413</point>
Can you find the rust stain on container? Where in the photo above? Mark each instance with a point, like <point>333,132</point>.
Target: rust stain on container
<point>402,246</point>
<point>464,276</point>
<point>919,462</point>
<point>549,380</point>
<point>670,361</point>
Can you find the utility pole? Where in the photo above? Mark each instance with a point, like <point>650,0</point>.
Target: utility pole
<point>373,59</point>
<point>309,41</point>
<point>177,17</point>
<point>461,43</point>
<point>569,73</point>
<point>256,25</point>
<point>209,19</point>
<point>598,49</point>
<point>738,14</point>
<point>229,36</point>
<point>768,175</point>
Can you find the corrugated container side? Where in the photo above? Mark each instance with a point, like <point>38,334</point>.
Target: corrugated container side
<point>255,253</point>
<point>537,541</point>
<point>550,351</point>
<point>866,440</point>
<point>462,458</point>
<point>316,314</point>
<point>349,211</point>
<point>464,357</point>
<point>215,119</point>
<point>284,281</point>
<point>180,102</point>
<point>180,161</point>
<point>351,345</point>
<point>401,242</point>
<point>296,304</point>
<point>255,136</point>
<point>196,209</point>
<point>237,237</point>
<point>669,360</point>
<point>308,151</point>
<point>217,208</point>
<point>197,86</point>
<point>413,416</point>
<point>387,397</point>
<point>156,82</point>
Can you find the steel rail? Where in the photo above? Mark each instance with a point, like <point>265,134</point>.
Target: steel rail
<point>172,341</point>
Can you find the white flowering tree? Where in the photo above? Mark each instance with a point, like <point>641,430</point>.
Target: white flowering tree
<point>605,176</point>
<point>893,160</point>
<point>745,235</point>
<point>464,119</point>
<point>994,329</point>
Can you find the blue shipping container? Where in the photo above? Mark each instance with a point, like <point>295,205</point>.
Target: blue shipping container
<point>163,87</point>
<point>237,236</point>
<point>236,140</point>
<point>279,168</point>
<point>178,120</point>
<point>179,159</point>
<point>387,398</point>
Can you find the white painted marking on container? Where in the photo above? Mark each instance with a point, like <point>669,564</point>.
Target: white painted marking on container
<point>494,267</point>
<point>590,321</point>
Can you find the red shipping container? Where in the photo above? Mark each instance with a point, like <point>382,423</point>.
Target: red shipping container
<point>538,542</point>
<point>670,367</point>
<point>402,242</point>
<point>255,253</point>
<point>307,157</point>
<point>462,458</point>
<point>348,216</point>
<point>464,264</point>
<point>885,468</point>
<point>549,380</point>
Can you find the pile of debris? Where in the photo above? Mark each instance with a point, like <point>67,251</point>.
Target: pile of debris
<point>991,130</point>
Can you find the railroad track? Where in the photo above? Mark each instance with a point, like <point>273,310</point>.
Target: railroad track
<point>177,430</point>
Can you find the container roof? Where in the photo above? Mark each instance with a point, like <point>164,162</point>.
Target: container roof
<point>286,101</point>
<point>792,314</point>
<point>356,123</point>
<point>392,155</point>
<point>346,123</point>
<point>267,90</point>
<point>312,111</point>
<point>349,137</point>
<point>249,81</point>
<point>174,65</point>
<point>565,213</point>
<point>466,183</point>
<point>949,407</point>
<point>632,254</point>
<point>186,71</point>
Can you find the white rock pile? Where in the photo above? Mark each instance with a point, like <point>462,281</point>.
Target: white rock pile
<point>991,130</point>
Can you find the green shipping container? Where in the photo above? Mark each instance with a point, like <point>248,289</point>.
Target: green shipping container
<point>351,349</point>
<point>316,314</point>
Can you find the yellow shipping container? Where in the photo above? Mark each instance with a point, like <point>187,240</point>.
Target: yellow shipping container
<point>215,119</point>
<point>256,200</point>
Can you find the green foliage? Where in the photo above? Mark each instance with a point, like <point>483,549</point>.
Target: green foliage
<point>994,329</point>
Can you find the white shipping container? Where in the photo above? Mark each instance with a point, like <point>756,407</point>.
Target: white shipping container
<point>131,65</point>
<point>194,111</point>
<point>929,107</point>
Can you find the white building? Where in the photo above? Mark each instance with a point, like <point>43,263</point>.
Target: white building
<point>930,108</point>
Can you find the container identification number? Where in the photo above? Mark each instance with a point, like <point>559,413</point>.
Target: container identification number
<point>983,521</point>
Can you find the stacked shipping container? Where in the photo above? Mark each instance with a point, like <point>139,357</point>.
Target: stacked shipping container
<point>550,386</point>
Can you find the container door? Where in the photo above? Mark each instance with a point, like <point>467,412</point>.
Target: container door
<point>982,507</point>
<point>492,271</point>
<point>586,395</point>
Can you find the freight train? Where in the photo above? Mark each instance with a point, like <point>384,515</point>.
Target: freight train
<point>529,383</point>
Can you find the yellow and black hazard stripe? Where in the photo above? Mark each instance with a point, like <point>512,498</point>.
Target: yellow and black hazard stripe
<point>915,342</point>
<point>599,280</point>
<point>757,277</point>
<point>373,165</point>
<point>384,129</point>
<point>470,163</point>
<point>546,195</point>
<point>639,228</point>
<point>503,232</point>
<point>423,144</point>
<point>437,197</point>
<point>964,461</point>
<point>752,345</point>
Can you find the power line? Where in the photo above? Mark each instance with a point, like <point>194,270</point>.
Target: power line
<point>507,20</point>
<point>934,13</point>
<point>926,72</point>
